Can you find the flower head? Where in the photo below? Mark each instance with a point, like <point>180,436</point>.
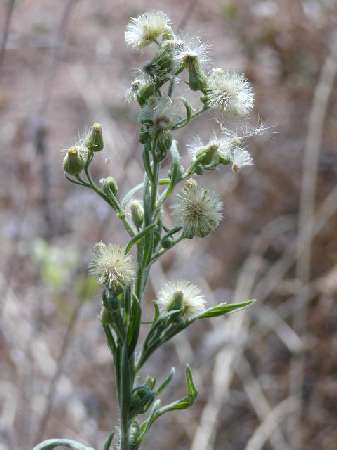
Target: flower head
<point>146,28</point>
<point>181,295</point>
<point>161,112</point>
<point>111,266</point>
<point>230,91</point>
<point>188,49</point>
<point>197,210</point>
<point>207,154</point>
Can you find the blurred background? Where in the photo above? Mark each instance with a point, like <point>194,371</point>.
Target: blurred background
<point>268,377</point>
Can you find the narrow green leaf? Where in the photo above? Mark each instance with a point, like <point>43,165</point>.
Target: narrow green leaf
<point>166,382</point>
<point>175,165</point>
<point>188,109</point>
<point>135,317</point>
<point>222,309</point>
<point>108,442</point>
<point>50,444</point>
<point>139,237</point>
<point>185,402</point>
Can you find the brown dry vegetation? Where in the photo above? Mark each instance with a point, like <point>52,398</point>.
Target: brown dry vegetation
<point>268,377</point>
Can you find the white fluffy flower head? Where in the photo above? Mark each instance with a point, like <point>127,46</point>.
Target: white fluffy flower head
<point>146,28</point>
<point>112,266</point>
<point>181,294</point>
<point>188,49</point>
<point>231,91</point>
<point>197,210</point>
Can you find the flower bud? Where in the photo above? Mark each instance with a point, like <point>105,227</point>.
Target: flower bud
<point>197,79</point>
<point>161,65</point>
<point>208,155</point>
<point>94,139</point>
<point>167,242</point>
<point>145,92</point>
<point>137,213</point>
<point>109,185</point>
<point>164,142</point>
<point>73,162</point>
<point>141,399</point>
<point>176,301</point>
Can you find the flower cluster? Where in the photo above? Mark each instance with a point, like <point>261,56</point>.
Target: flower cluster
<point>196,210</point>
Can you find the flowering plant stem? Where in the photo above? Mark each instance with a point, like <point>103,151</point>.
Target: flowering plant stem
<point>197,213</point>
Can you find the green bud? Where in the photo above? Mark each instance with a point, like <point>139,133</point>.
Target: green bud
<point>176,302</point>
<point>141,399</point>
<point>109,185</point>
<point>145,92</point>
<point>167,242</point>
<point>208,155</point>
<point>94,139</point>
<point>73,162</point>
<point>137,213</point>
<point>161,65</point>
<point>150,381</point>
<point>164,142</point>
<point>197,79</point>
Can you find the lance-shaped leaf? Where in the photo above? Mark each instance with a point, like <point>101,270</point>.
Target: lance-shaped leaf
<point>166,382</point>
<point>175,170</point>
<point>185,402</point>
<point>108,442</point>
<point>222,309</point>
<point>50,444</point>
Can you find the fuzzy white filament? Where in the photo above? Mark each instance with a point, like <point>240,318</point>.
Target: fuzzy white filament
<point>197,210</point>
<point>146,28</point>
<point>111,266</point>
<point>192,301</point>
<point>230,91</point>
<point>188,48</point>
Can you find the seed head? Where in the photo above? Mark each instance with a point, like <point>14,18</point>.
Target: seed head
<point>230,91</point>
<point>111,266</point>
<point>146,28</point>
<point>181,295</point>
<point>162,112</point>
<point>188,49</point>
<point>197,210</point>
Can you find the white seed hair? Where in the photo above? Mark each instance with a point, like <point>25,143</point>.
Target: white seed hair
<point>111,266</point>
<point>146,28</point>
<point>230,91</point>
<point>191,47</point>
<point>193,302</point>
<point>197,210</point>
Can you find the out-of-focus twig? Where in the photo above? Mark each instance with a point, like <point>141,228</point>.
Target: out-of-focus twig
<point>236,326</point>
<point>5,34</point>
<point>187,14</point>
<point>259,402</point>
<point>268,426</point>
<point>40,124</point>
<point>59,370</point>
<point>306,222</point>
